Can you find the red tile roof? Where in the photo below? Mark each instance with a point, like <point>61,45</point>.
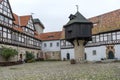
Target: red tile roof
<point>106,22</point>
<point>1,0</point>
<point>16,19</point>
<point>24,20</point>
<point>50,36</point>
<point>63,34</point>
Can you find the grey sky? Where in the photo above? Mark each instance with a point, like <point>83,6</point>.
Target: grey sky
<point>54,13</point>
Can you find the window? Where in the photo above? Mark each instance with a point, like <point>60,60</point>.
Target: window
<point>105,37</point>
<point>94,39</point>
<point>101,37</point>
<point>1,17</point>
<point>30,24</point>
<point>4,32</point>
<point>118,35</point>
<point>69,32</point>
<point>0,32</point>
<point>45,45</point>
<point>50,44</point>
<point>20,38</point>
<point>61,43</point>
<point>94,52</point>
<point>16,37</point>
<point>97,38</point>
<point>9,34</point>
<point>23,39</point>
<point>64,43</point>
<point>109,37</point>
<point>67,43</point>
<point>4,29</point>
<point>57,44</point>
<point>0,28</point>
<point>114,36</point>
<point>10,21</point>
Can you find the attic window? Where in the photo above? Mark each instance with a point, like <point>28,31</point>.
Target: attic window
<point>72,16</point>
<point>95,24</point>
<point>70,31</point>
<point>50,36</point>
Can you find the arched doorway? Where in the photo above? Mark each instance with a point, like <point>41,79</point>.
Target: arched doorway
<point>37,55</point>
<point>21,56</point>
<point>111,55</point>
<point>68,56</point>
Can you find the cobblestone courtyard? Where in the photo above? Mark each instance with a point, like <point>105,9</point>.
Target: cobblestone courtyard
<point>61,71</point>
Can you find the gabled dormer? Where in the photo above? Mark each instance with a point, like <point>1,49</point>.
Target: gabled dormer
<point>30,24</point>
<point>6,15</point>
<point>26,22</point>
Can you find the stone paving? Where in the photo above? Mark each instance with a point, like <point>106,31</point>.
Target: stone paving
<point>61,71</point>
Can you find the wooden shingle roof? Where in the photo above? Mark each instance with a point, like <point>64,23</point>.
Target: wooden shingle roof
<point>77,18</point>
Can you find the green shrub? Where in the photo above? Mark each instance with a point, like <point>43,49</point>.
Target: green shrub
<point>29,56</point>
<point>7,53</point>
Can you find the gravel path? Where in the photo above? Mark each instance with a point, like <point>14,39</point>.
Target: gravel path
<point>61,71</point>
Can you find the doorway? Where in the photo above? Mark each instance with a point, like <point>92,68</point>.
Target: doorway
<point>68,56</point>
<point>85,56</point>
<point>21,56</point>
<point>111,55</point>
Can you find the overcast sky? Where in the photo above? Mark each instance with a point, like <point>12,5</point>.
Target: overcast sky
<point>54,13</point>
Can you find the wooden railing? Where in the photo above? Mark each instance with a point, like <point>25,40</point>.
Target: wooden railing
<point>103,43</point>
<point>17,43</point>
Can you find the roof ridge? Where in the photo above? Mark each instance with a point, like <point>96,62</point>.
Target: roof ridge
<point>105,13</point>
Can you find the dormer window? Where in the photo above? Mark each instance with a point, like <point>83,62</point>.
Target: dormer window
<point>30,24</point>
<point>50,36</point>
<point>95,24</point>
<point>72,16</point>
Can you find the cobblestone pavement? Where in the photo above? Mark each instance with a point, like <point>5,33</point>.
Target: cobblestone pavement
<point>61,71</point>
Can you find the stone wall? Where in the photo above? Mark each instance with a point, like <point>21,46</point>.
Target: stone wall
<point>52,55</point>
<point>22,52</point>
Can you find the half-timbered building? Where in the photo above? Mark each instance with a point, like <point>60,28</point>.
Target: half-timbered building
<point>24,33</point>
<point>105,42</point>
<point>18,32</point>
